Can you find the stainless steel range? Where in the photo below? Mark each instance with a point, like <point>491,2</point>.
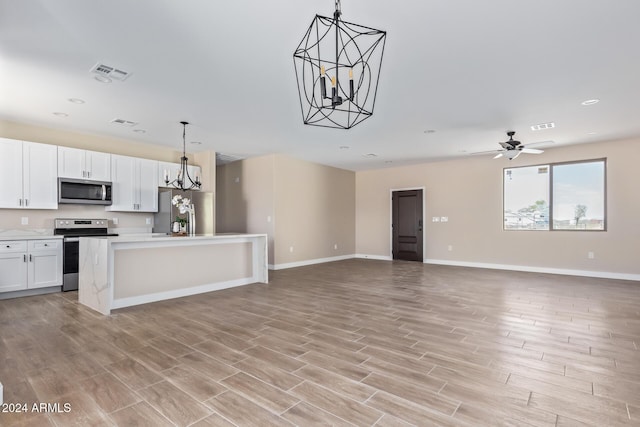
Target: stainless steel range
<point>72,229</point>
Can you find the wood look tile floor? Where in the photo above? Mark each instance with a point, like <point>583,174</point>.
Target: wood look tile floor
<point>356,342</point>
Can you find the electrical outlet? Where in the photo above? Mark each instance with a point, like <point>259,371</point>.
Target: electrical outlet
<point>24,220</point>
<point>290,248</point>
<point>335,247</point>
<point>114,221</point>
<point>237,180</point>
<point>450,248</point>
<point>148,221</point>
<point>591,255</point>
<point>269,218</point>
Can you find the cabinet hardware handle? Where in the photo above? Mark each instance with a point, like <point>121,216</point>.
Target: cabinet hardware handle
<point>30,258</point>
<point>88,174</point>
<point>46,244</point>
<point>9,246</point>
<point>20,202</point>
<point>26,202</point>
<point>24,258</point>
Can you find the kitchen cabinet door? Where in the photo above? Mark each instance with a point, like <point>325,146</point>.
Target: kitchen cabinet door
<point>40,171</point>
<point>98,165</point>
<point>44,264</point>
<point>10,173</point>
<point>28,175</point>
<point>123,189</point>
<point>84,164</point>
<point>13,271</point>
<point>148,185</point>
<point>135,184</point>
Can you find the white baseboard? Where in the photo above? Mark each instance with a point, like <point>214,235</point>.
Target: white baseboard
<point>531,269</point>
<point>563,271</point>
<point>309,262</point>
<point>378,257</point>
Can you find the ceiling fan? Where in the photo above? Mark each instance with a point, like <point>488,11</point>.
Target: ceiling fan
<point>512,148</point>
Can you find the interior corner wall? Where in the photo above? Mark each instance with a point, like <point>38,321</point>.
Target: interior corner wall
<point>298,204</point>
<point>314,211</point>
<point>469,192</point>
<point>245,198</point>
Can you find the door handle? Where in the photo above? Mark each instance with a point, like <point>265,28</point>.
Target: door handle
<point>419,225</point>
<point>104,192</point>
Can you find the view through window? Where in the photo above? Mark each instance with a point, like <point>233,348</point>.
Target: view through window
<point>563,196</point>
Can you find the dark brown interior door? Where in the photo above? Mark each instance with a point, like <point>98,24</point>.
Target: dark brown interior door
<point>407,225</point>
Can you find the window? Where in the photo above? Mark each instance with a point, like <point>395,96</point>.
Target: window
<point>562,196</point>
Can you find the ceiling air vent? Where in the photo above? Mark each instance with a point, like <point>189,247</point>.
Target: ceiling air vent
<point>124,122</point>
<point>110,72</point>
<point>542,126</point>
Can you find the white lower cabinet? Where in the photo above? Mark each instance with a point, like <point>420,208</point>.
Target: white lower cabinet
<point>30,264</point>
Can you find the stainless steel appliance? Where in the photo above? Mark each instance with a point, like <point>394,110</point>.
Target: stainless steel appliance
<point>84,192</point>
<point>72,229</point>
<point>167,213</point>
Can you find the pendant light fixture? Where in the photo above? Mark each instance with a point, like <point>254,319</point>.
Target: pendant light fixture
<point>337,67</point>
<point>183,180</point>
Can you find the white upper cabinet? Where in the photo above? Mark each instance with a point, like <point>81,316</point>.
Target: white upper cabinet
<point>134,184</point>
<point>172,170</point>
<point>83,164</point>
<point>28,175</point>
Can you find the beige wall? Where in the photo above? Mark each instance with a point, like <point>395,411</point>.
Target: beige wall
<point>43,219</point>
<point>299,204</point>
<point>315,210</point>
<point>469,192</point>
<point>246,197</point>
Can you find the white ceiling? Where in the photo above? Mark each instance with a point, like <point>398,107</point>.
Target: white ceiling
<point>468,69</point>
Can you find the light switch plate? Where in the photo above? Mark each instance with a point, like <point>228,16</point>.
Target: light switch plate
<point>24,220</point>
<point>444,219</point>
<point>435,219</point>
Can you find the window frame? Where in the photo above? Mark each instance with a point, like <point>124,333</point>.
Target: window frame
<point>551,166</point>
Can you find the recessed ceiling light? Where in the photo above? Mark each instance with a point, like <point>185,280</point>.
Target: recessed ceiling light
<point>76,100</point>
<point>139,131</point>
<point>196,142</point>
<point>59,114</point>
<point>102,79</point>
<point>592,133</point>
<point>370,155</point>
<point>590,101</point>
<point>430,131</point>
<point>344,147</point>
<point>388,161</point>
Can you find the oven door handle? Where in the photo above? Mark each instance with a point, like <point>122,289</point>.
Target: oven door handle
<point>71,239</point>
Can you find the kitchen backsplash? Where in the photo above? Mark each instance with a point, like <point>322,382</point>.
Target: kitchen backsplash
<point>40,221</point>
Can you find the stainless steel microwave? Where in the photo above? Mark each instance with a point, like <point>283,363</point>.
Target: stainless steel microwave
<point>84,192</point>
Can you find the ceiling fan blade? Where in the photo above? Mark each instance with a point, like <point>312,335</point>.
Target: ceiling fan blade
<point>532,151</point>
<point>485,152</point>
<point>498,156</point>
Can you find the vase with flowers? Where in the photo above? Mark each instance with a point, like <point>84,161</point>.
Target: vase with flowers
<point>184,205</point>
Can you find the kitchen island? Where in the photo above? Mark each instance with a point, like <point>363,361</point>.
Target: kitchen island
<point>117,272</point>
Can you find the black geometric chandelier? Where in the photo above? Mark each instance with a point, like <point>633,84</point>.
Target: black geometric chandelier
<point>183,180</point>
<point>337,67</point>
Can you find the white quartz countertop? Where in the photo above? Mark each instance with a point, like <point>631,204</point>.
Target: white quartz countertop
<point>166,238</point>
<point>6,237</point>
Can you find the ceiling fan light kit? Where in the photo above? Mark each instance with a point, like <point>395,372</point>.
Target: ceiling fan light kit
<point>346,56</point>
<point>511,148</point>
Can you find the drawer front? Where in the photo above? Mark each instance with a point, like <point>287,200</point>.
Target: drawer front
<point>44,245</point>
<point>8,246</point>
